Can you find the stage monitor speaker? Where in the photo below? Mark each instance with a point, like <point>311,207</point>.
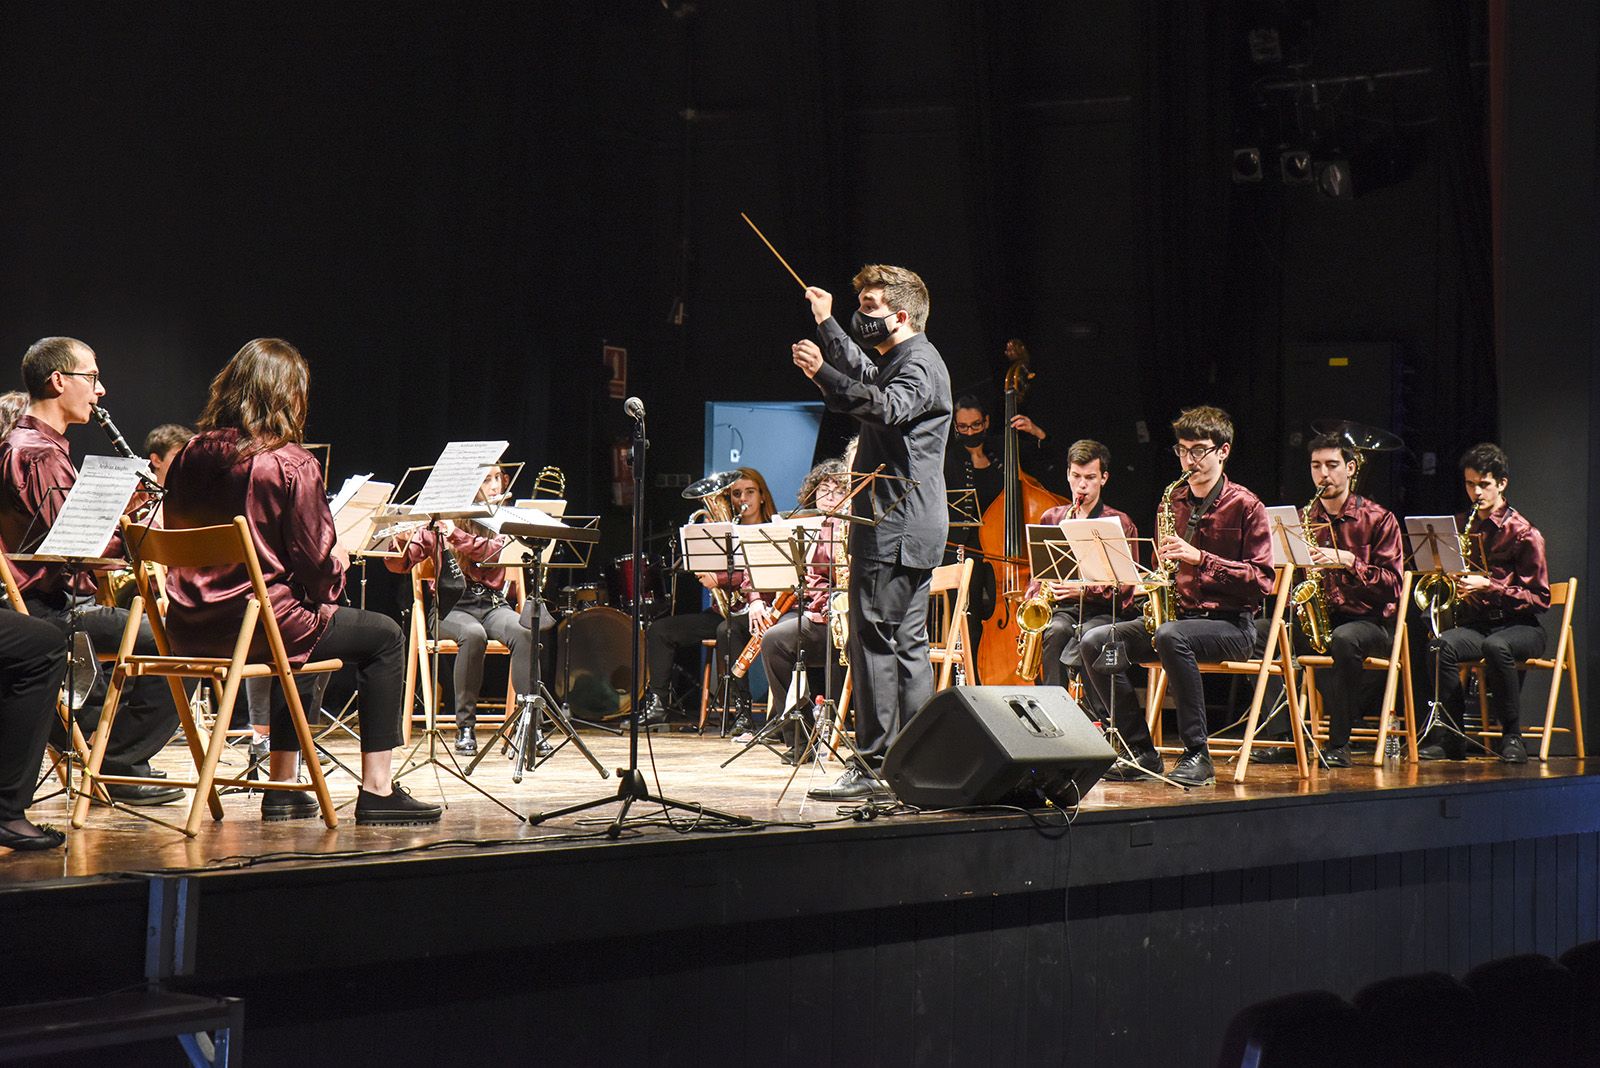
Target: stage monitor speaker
<point>983,745</point>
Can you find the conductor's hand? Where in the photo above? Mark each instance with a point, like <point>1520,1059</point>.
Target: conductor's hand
<point>821,302</point>
<point>707,579</point>
<point>807,357</point>
<point>1173,547</point>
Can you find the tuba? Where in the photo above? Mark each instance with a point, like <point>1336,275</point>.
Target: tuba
<point>712,493</point>
<point>1308,597</point>
<point>1161,598</point>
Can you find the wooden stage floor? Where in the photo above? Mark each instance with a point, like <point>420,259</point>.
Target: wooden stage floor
<point>684,767</point>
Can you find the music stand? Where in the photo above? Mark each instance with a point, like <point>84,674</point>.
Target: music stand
<point>962,505</point>
<point>1434,547</point>
<point>711,547</point>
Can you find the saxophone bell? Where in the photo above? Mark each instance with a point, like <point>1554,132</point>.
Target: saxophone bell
<point>1309,598</point>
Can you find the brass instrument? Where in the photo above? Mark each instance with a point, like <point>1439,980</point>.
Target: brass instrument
<point>1033,619</point>
<point>712,493</point>
<point>1308,597</point>
<point>1161,598</point>
<point>1437,593</point>
<point>550,482</point>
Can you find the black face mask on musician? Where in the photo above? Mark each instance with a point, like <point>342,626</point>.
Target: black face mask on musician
<point>870,330</point>
<point>972,440</point>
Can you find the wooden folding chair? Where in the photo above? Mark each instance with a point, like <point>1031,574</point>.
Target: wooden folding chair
<point>419,659</point>
<point>1565,662</point>
<point>228,545</point>
<point>1275,660</point>
<point>954,644</point>
<point>1397,680</point>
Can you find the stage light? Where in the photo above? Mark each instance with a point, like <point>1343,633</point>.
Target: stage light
<point>1333,179</point>
<point>1247,165</point>
<point>1295,166</point>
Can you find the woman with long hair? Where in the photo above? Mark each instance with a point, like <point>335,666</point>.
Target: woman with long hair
<point>247,460</point>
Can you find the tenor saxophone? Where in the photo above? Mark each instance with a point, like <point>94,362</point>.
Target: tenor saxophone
<point>1309,598</point>
<point>1161,597</point>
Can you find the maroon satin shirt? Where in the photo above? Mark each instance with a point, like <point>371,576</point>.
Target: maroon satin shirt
<point>35,474</point>
<point>281,496</point>
<point>470,549</point>
<point>1096,599</point>
<point>1519,576</point>
<point>1370,587</point>
<point>1235,540</point>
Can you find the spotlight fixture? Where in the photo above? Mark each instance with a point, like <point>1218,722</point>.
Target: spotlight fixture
<point>1333,179</point>
<point>1295,166</point>
<point>1247,165</point>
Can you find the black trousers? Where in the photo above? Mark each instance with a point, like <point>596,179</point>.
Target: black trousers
<point>470,624</point>
<point>32,664</point>
<point>1181,646</point>
<point>1499,646</point>
<point>667,636</point>
<point>890,671</point>
<point>146,717</point>
<point>374,644</point>
<point>1063,640</point>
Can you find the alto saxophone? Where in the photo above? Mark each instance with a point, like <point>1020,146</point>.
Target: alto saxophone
<point>1309,598</point>
<point>1033,617</point>
<point>1161,598</point>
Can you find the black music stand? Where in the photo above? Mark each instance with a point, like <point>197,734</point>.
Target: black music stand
<point>1435,549</point>
<point>631,786</point>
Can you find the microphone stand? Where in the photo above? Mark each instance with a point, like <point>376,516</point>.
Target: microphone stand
<point>631,786</point>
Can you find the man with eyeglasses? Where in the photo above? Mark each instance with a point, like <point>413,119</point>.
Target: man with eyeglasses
<point>36,473</point>
<point>1222,547</point>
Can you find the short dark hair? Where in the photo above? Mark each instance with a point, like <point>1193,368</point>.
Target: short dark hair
<point>44,358</point>
<point>1088,450</point>
<point>1488,458</point>
<point>166,437</point>
<point>903,290</point>
<point>972,400</point>
<point>1204,422</point>
<point>1332,441</point>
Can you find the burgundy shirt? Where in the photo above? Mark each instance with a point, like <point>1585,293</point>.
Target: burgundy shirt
<point>470,550</point>
<point>1370,587</point>
<point>1096,600</point>
<point>281,496</point>
<point>1235,541</point>
<point>35,474</point>
<point>1518,574</point>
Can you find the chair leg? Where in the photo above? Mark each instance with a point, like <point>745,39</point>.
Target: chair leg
<point>205,784</point>
<point>102,741</point>
<point>705,690</point>
<point>1577,705</point>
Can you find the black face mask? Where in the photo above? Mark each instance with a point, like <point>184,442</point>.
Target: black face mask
<point>972,440</point>
<point>870,330</point>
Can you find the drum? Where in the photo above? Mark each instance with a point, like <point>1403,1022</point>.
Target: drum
<point>582,596</point>
<point>594,665</point>
<point>641,580</point>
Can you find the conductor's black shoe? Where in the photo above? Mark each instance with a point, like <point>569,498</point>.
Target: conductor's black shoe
<point>399,807</point>
<point>288,805</point>
<point>854,785</point>
<point>1512,751</point>
<point>141,796</point>
<point>466,741</point>
<point>1194,769</point>
<point>1336,756</point>
<point>1437,751</point>
<point>1149,760</point>
<point>1273,754</point>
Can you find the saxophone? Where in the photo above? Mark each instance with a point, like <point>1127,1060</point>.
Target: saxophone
<point>1437,593</point>
<point>1033,616</point>
<point>1161,598</point>
<point>1309,598</point>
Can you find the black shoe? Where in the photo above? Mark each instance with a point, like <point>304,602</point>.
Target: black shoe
<point>795,755</point>
<point>652,713</point>
<point>542,747</point>
<point>1336,756</point>
<point>466,741</point>
<point>288,805</point>
<point>1512,751</point>
<point>46,837</point>
<point>854,785</point>
<point>1149,760</point>
<point>142,796</point>
<point>1274,754</point>
<point>740,725</point>
<point>1437,751</point>
<point>397,808</point>
<point>1194,769</point>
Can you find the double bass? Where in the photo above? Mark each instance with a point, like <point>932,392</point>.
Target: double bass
<point>1003,539</point>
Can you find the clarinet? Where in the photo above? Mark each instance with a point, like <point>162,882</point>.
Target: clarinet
<point>118,442</point>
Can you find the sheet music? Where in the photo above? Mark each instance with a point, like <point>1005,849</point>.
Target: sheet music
<point>452,485</point>
<point>1288,537</point>
<point>89,515</point>
<point>1435,543</point>
<point>355,509</point>
<point>534,516</point>
<point>347,491</point>
<point>774,553</point>
<point>1104,556</point>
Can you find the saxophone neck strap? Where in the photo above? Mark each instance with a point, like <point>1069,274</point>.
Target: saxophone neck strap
<point>1202,508</point>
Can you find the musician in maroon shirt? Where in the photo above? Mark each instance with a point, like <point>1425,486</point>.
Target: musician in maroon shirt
<point>481,613</point>
<point>1359,540</point>
<point>1223,550</point>
<point>247,460</point>
<point>62,375</point>
<point>1079,610</point>
<point>1497,619</point>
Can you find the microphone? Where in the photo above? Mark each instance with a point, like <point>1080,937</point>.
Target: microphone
<point>634,407</point>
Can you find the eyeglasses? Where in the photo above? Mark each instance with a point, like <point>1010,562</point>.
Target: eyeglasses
<point>963,428</point>
<point>1194,452</point>
<point>92,376</point>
